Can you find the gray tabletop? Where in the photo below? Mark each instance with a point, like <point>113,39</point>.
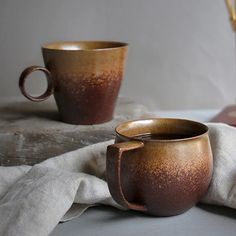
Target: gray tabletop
<point>200,220</point>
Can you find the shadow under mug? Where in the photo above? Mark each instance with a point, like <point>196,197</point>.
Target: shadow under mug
<point>85,78</point>
<point>161,167</point>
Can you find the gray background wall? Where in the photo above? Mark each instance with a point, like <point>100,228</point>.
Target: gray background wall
<point>181,55</point>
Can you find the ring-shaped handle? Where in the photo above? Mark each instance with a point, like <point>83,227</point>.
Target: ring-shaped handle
<point>24,76</point>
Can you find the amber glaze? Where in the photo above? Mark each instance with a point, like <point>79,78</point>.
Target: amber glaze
<point>159,177</point>
<point>86,78</point>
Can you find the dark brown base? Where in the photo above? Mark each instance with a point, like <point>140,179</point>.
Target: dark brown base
<point>169,214</point>
<point>86,122</point>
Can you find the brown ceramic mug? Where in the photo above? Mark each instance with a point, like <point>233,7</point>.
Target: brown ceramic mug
<point>85,78</point>
<point>161,167</point>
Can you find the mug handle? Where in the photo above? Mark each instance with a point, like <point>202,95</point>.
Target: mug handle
<point>24,76</point>
<point>114,157</point>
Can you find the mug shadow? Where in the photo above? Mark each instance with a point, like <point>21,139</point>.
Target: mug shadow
<point>25,110</point>
<point>220,210</point>
<point>114,214</point>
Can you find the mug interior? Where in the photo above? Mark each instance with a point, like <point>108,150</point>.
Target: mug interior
<point>83,45</point>
<point>162,126</point>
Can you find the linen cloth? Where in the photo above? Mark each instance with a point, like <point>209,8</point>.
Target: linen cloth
<point>34,199</point>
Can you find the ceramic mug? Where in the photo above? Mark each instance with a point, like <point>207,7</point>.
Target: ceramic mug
<point>161,167</point>
<point>85,78</point>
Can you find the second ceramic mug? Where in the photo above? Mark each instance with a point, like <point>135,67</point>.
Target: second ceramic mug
<point>161,167</point>
<point>84,76</point>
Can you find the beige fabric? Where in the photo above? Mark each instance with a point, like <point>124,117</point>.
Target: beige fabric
<point>222,190</point>
<point>35,199</point>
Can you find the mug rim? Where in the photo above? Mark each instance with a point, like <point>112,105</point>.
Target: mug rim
<point>162,140</point>
<point>77,45</point>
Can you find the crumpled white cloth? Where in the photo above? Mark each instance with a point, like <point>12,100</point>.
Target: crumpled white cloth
<point>35,199</point>
<point>222,190</point>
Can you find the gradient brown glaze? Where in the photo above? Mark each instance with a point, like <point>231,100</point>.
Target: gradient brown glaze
<point>87,99</point>
<point>160,177</point>
<point>86,77</point>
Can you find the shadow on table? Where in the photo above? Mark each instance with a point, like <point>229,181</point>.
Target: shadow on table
<point>120,215</point>
<point>25,109</point>
<point>114,214</point>
<point>220,210</point>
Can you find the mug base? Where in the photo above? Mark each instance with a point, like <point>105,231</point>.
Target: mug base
<point>85,121</point>
<point>165,214</point>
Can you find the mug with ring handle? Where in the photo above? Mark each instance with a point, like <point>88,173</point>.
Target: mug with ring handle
<point>84,76</point>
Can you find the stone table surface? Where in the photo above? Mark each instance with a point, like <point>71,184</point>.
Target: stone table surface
<point>32,132</point>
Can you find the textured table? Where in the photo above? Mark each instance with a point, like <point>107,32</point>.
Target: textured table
<point>31,132</point>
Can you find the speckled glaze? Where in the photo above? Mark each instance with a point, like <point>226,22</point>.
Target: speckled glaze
<point>86,78</point>
<point>159,177</point>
